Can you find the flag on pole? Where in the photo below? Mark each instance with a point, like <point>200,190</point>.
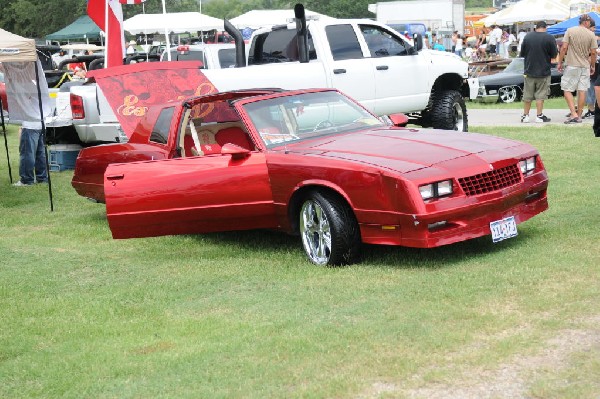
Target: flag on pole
<point>104,12</point>
<point>131,1</point>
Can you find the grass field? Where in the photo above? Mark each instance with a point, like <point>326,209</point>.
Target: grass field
<point>244,315</point>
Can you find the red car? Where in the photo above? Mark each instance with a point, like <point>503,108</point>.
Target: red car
<point>317,164</point>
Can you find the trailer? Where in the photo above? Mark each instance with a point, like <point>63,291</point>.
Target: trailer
<point>439,15</point>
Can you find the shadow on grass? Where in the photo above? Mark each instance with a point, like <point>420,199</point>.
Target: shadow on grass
<point>373,255</point>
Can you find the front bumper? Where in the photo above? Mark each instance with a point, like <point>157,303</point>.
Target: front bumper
<point>483,96</point>
<point>465,219</point>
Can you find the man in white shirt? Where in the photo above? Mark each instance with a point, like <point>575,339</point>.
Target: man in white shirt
<point>495,37</point>
<point>130,47</point>
<point>520,38</point>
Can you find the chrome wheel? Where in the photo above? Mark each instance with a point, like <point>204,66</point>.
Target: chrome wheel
<point>316,232</point>
<point>458,116</point>
<point>508,94</point>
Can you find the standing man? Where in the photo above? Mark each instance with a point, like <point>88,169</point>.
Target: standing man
<point>429,37</point>
<point>25,108</point>
<point>581,63</point>
<point>538,49</point>
<point>520,38</point>
<point>494,42</point>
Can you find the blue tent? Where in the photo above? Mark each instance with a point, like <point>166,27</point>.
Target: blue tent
<point>561,28</point>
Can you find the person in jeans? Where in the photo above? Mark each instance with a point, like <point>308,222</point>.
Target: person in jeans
<point>32,160</point>
<point>537,50</point>
<point>579,51</point>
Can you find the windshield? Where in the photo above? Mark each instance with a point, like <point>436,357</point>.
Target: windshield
<point>516,66</point>
<point>307,116</point>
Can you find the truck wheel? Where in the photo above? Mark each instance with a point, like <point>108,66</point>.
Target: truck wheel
<point>449,111</point>
<point>329,230</point>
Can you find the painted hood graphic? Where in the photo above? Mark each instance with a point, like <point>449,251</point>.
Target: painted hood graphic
<point>132,89</point>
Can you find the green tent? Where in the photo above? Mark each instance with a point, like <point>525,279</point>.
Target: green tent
<point>82,28</point>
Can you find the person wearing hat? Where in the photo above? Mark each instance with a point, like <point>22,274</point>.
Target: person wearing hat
<point>579,51</point>
<point>130,47</point>
<point>537,50</point>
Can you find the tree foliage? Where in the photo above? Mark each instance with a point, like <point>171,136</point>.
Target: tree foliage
<point>38,18</point>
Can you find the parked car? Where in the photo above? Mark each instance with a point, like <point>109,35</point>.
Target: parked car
<point>316,163</point>
<point>507,86</point>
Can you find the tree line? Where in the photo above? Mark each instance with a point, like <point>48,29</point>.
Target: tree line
<point>38,18</point>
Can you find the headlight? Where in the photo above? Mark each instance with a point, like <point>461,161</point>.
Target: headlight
<point>527,165</point>
<point>436,190</point>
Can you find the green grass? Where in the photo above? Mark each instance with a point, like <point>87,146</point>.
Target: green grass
<point>245,315</point>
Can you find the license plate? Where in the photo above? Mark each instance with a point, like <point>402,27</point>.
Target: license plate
<point>503,229</point>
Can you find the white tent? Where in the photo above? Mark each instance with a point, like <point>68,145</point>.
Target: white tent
<point>25,80</point>
<point>258,18</point>
<point>177,22</point>
<point>16,48</point>
<point>529,11</point>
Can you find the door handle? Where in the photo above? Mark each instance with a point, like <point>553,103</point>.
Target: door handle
<point>115,177</point>
<point>382,67</point>
<point>338,71</point>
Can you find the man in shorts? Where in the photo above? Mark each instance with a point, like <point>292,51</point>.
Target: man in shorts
<point>579,45</point>
<point>538,49</point>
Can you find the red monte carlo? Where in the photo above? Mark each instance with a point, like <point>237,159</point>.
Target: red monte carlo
<point>313,163</point>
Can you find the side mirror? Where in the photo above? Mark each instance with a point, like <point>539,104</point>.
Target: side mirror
<point>418,41</point>
<point>235,151</point>
<point>400,120</point>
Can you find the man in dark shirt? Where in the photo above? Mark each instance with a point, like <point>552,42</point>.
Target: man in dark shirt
<point>538,49</point>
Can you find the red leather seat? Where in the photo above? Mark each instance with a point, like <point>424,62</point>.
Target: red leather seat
<point>190,149</point>
<point>234,135</point>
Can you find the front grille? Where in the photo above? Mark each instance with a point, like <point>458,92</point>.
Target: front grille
<point>491,181</point>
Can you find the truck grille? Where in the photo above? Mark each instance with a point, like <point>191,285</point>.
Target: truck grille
<point>490,181</point>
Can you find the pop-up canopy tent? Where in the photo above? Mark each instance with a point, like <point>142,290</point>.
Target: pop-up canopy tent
<point>561,28</point>
<point>262,18</point>
<point>82,28</point>
<point>177,22</point>
<point>24,79</point>
<point>529,11</point>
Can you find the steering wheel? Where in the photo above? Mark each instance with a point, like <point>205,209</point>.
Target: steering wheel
<point>323,125</point>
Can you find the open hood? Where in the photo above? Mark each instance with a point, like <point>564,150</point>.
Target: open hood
<point>131,90</point>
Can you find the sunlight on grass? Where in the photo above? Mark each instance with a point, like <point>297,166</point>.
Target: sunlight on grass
<point>243,314</point>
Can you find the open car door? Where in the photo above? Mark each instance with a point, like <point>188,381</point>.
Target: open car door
<point>227,191</point>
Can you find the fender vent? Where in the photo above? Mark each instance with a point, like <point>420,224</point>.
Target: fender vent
<point>491,181</point>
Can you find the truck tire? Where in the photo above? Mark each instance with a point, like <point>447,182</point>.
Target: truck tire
<point>449,111</point>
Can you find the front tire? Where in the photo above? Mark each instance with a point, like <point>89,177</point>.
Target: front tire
<point>329,230</point>
<point>449,111</point>
<point>508,94</point>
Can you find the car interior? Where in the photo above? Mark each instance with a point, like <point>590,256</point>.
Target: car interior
<point>207,138</point>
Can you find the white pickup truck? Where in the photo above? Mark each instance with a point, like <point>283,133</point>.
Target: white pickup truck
<point>368,60</point>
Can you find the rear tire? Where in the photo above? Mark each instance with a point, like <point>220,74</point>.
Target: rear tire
<point>329,230</point>
<point>449,111</point>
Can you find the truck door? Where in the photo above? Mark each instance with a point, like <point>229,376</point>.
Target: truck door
<point>350,72</point>
<point>401,76</point>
